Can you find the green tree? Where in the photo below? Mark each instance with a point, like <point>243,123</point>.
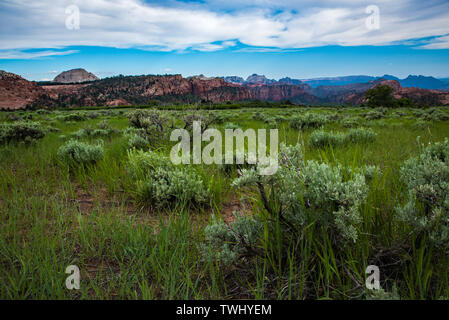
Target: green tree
<point>380,96</point>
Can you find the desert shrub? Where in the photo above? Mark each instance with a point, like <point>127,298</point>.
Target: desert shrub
<point>271,122</point>
<point>132,130</point>
<point>259,116</point>
<point>219,118</point>
<point>269,119</point>
<point>75,116</point>
<point>108,113</point>
<point>13,117</point>
<point>321,138</point>
<point>161,183</point>
<point>381,294</point>
<point>43,111</point>
<point>203,118</point>
<point>435,114</point>
<point>334,117</point>
<point>137,142</point>
<point>153,125</point>
<point>229,243</point>
<point>52,129</point>
<point>374,115</point>
<point>103,130</point>
<point>400,113</point>
<point>426,177</point>
<point>148,119</point>
<point>93,115</point>
<point>418,113</point>
<point>311,192</point>
<point>100,133</point>
<point>21,132</point>
<point>81,133</point>
<point>27,116</point>
<point>360,135</point>
<point>349,123</point>
<point>308,120</point>
<point>279,118</point>
<point>420,124</point>
<point>104,125</point>
<point>75,153</point>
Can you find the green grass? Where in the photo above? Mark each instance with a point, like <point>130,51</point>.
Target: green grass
<point>52,217</point>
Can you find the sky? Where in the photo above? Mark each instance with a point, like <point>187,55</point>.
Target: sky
<point>299,39</point>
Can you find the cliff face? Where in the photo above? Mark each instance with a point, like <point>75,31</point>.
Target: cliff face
<point>74,76</point>
<point>16,92</point>
<point>142,89</point>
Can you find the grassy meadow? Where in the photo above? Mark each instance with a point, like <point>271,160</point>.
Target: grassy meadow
<point>131,240</point>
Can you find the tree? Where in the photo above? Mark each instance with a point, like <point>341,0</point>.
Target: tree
<point>405,103</point>
<point>380,96</point>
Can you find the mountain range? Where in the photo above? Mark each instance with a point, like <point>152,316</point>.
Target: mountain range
<point>18,93</point>
<point>411,81</point>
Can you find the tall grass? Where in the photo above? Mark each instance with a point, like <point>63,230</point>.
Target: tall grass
<point>52,217</point>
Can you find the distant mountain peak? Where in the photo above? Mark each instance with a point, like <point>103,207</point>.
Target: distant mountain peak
<point>259,79</point>
<point>75,75</point>
<point>424,82</point>
<point>389,77</point>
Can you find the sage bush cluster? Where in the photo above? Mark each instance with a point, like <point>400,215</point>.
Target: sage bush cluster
<point>321,138</point>
<point>103,130</point>
<point>350,122</point>
<point>227,244</point>
<point>76,153</point>
<point>308,120</point>
<point>300,194</point>
<point>152,124</point>
<point>435,114</point>
<point>160,183</point>
<point>21,131</point>
<point>426,177</point>
<point>75,116</point>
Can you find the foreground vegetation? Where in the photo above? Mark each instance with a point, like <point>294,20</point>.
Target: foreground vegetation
<point>96,189</point>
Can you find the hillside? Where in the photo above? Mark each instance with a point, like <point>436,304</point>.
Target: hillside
<point>17,92</point>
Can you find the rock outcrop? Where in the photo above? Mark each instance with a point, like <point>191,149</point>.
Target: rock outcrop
<point>75,76</point>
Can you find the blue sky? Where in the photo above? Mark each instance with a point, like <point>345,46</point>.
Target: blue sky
<point>299,39</point>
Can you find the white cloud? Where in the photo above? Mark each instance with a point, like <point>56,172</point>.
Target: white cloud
<point>217,24</point>
<point>438,43</point>
<point>16,54</point>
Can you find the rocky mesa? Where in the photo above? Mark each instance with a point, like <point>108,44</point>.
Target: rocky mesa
<point>75,76</point>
